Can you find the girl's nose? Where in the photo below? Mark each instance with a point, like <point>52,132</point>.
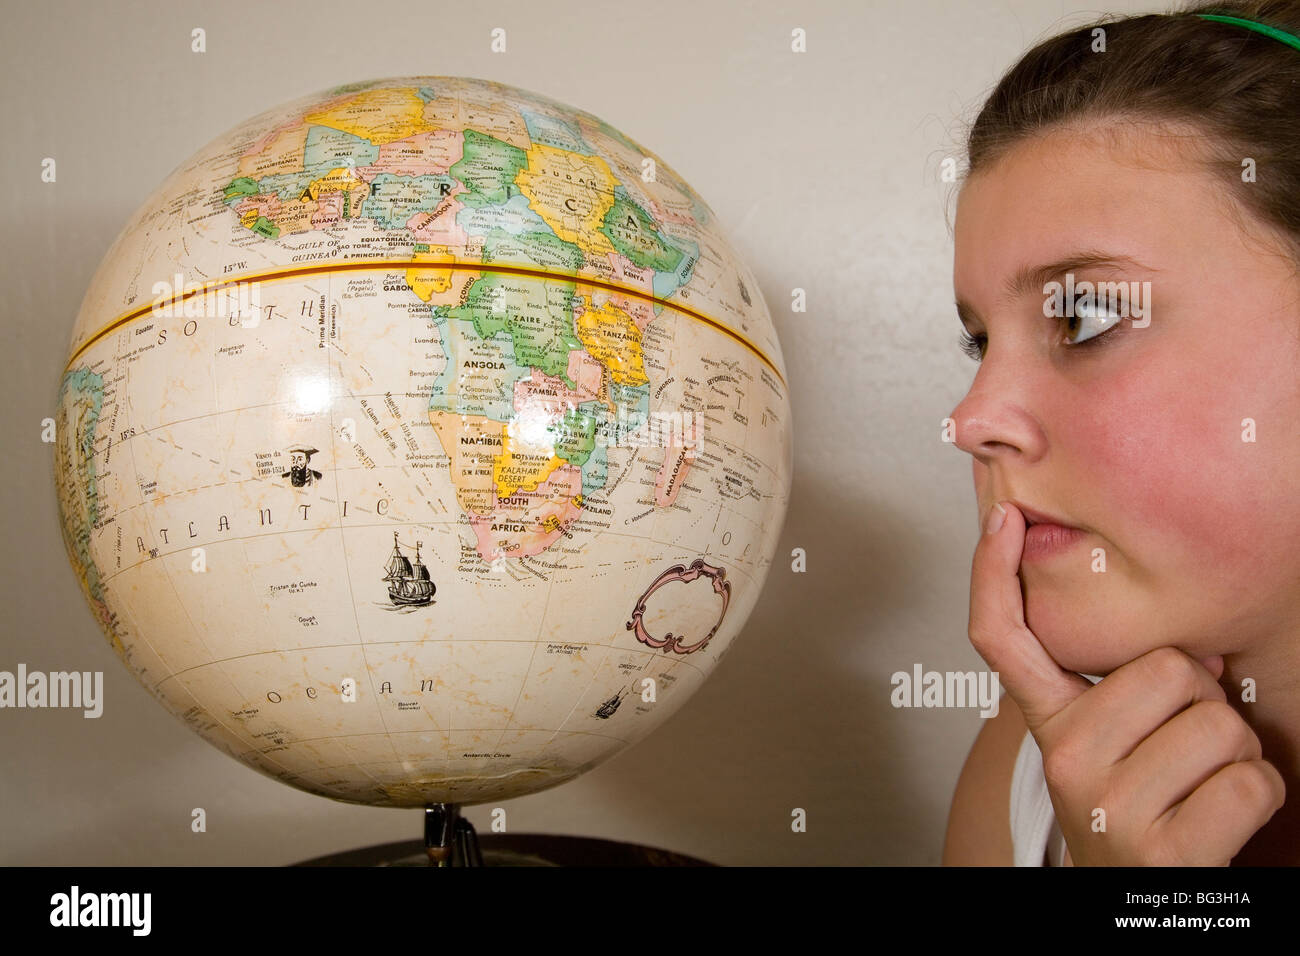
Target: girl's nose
<point>995,421</point>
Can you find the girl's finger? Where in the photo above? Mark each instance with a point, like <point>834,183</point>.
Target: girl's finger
<point>1040,686</point>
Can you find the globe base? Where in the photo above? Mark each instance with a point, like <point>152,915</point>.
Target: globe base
<point>514,849</point>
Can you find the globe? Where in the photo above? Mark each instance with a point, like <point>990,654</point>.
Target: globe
<point>422,441</point>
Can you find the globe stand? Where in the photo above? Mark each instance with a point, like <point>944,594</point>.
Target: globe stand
<point>450,839</point>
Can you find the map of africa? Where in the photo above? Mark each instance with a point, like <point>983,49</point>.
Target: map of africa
<point>422,441</point>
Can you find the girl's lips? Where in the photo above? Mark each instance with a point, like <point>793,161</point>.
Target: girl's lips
<point>1048,540</point>
<point>1046,535</point>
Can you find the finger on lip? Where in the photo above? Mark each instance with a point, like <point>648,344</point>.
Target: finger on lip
<point>994,518</point>
<point>995,600</point>
<point>998,631</point>
<point>998,512</point>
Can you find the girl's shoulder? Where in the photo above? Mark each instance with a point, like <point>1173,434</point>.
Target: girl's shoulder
<point>979,822</point>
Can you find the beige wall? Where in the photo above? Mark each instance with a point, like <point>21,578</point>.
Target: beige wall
<point>825,167</point>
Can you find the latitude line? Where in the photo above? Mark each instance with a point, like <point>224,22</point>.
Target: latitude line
<point>372,265</point>
<point>650,652</point>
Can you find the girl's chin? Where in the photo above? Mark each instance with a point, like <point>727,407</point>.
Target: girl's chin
<point>1096,647</point>
<point>1100,628</point>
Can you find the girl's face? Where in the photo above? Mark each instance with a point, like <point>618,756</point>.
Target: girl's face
<point>1137,436</point>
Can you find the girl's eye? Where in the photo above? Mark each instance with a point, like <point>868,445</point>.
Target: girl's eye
<point>1089,321</point>
<point>973,345</point>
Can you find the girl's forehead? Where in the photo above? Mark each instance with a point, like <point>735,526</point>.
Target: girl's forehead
<point>1055,194</point>
<point>1064,159</point>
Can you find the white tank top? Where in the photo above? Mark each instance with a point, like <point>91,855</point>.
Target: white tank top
<point>1036,838</point>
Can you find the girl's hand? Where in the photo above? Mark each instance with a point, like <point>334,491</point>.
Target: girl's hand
<point>1176,771</point>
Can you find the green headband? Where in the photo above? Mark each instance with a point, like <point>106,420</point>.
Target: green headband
<point>1264,28</point>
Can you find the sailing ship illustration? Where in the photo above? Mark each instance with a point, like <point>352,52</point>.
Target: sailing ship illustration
<point>408,581</point>
<point>607,709</point>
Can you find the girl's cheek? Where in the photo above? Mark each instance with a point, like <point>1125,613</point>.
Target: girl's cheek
<point>1162,448</point>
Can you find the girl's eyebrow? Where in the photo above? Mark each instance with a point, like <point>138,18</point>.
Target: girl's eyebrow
<point>1029,279</point>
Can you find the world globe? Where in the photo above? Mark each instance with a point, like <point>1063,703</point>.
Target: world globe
<point>422,441</point>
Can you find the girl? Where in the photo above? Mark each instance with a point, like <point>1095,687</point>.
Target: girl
<point>1127,272</point>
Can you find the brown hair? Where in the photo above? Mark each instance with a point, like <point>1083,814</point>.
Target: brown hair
<point>1238,88</point>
